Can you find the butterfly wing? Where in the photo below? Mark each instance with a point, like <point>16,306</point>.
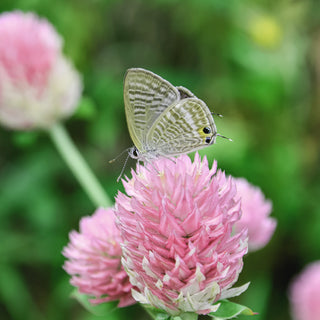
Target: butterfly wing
<point>185,93</point>
<point>146,96</point>
<point>184,127</point>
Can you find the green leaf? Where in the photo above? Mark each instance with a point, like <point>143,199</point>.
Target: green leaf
<point>186,316</point>
<point>156,313</point>
<point>162,316</point>
<point>228,310</point>
<point>101,309</point>
<point>159,314</point>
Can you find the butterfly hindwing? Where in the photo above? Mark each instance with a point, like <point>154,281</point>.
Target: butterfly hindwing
<point>184,127</point>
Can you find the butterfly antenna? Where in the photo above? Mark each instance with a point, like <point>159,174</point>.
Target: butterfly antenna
<point>219,135</point>
<point>217,114</point>
<point>124,166</point>
<point>118,156</point>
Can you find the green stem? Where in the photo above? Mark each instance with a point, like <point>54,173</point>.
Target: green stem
<point>78,166</point>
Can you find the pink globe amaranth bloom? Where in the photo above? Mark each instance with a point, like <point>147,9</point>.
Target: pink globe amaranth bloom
<point>255,214</point>
<point>176,221</point>
<point>94,260</point>
<point>38,85</point>
<point>305,294</point>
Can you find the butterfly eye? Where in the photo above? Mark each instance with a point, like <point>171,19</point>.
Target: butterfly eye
<point>208,140</point>
<point>206,130</point>
<point>135,153</point>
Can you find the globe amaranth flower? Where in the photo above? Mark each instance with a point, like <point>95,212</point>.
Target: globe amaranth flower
<point>255,214</point>
<point>176,221</point>
<point>305,294</point>
<point>94,260</point>
<point>38,85</point>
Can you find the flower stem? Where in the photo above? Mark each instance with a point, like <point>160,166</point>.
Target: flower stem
<point>78,166</point>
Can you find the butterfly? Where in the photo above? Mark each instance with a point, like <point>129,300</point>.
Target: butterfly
<point>164,120</point>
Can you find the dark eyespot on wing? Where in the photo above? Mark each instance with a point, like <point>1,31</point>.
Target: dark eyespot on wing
<point>208,140</point>
<point>206,130</point>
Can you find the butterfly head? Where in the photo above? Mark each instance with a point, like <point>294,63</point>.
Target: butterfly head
<point>134,153</point>
<point>208,135</point>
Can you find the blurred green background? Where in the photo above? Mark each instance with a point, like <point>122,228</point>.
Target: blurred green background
<point>256,62</point>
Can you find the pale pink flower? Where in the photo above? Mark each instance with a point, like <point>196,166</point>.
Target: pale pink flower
<point>38,85</point>
<point>94,260</point>
<point>305,294</point>
<point>176,221</point>
<point>255,214</point>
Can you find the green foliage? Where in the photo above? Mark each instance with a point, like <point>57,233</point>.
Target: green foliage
<point>101,310</point>
<point>86,109</point>
<point>254,62</point>
<point>229,310</point>
<point>160,315</point>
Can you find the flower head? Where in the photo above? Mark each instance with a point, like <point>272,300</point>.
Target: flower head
<point>305,294</point>
<point>38,85</point>
<point>94,260</point>
<point>176,221</point>
<point>255,214</point>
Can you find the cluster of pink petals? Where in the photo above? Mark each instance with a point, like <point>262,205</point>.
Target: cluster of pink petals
<point>255,214</point>
<point>176,221</point>
<point>38,85</point>
<point>94,260</point>
<point>305,294</point>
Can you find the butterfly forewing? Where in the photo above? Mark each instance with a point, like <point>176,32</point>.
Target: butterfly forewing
<point>185,93</point>
<point>180,129</point>
<point>146,96</point>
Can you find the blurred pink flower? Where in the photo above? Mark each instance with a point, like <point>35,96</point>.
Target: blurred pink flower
<point>305,294</point>
<point>176,221</point>
<point>38,85</point>
<point>255,214</point>
<point>94,260</point>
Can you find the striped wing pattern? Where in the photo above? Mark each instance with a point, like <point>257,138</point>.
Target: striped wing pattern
<point>146,96</point>
<point>180,128</point>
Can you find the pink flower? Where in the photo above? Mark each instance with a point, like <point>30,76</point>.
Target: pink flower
<point>38,85</point>
<point>305,294</point>
<point>95,260</point>
<point>255,214</point>
<point>176,221</point>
